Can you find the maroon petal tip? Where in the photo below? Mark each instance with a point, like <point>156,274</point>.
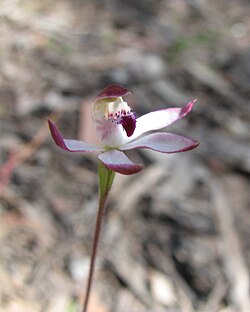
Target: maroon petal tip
<point>196,144</point>
<point>113,91</point>
<point>125,169</point>
<point>56,135</point>
<point>190,147</point>
<point>186,109</point>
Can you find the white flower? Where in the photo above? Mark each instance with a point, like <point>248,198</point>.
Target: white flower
<point>119,130</point>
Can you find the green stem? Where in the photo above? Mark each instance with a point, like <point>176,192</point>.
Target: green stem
<point>106,178</point>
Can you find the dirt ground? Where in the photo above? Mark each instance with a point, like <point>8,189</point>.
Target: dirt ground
<point>176,235</point>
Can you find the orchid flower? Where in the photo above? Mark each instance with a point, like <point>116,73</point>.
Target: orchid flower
<point>119,130</point>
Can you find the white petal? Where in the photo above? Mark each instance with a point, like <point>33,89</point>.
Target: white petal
<point>71,145</point>
<point>117,161</point>
<point>163,142</point>
<point>160,119</point>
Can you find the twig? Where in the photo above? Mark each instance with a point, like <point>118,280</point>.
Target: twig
<point>22,154</point>
<point>230,249</point>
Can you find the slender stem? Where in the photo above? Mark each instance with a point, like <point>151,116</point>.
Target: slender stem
<point>99,219</point>
<point>106,177</point>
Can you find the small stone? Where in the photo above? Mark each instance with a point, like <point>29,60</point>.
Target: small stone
<point>79,268</point>
<point>162,289</point>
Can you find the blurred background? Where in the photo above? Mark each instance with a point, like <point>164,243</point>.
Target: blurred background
<point>176,235</point>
